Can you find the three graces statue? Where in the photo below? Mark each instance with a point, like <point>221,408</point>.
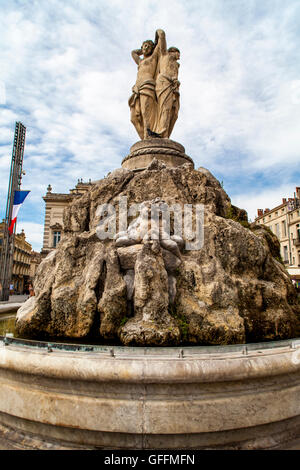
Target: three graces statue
<point>154,102</point>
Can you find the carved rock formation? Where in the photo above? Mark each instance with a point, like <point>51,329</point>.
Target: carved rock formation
<point>139,291</point>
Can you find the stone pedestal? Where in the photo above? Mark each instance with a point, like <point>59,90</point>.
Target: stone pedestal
<point>171,153</point>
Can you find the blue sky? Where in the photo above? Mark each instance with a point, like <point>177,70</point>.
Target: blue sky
<point>66,73</point>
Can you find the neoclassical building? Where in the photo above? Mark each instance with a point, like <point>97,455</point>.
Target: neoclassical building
<point>284,221</point>
<point>21,261</point>
<point>55,204</point>
<point>36,258</point>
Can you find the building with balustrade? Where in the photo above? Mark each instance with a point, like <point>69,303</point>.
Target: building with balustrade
<point>55,204</point>
<point>36,258</point>
<point>284,221</point>
<point>21,261</point>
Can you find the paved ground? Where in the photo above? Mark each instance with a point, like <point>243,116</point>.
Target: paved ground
<point>15,299</point>
<point>12,305</point>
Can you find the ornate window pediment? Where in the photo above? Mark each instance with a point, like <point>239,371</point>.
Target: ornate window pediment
<point>56,226</point>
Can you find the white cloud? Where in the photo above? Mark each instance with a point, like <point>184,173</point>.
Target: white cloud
<point>34,233</point>
<point>265,199</point>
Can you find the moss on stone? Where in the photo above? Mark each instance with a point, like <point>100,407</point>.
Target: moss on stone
<point>238,215</point>
<point>123,321</point>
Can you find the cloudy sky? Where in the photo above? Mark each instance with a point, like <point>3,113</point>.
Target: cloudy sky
<point>66,73</point>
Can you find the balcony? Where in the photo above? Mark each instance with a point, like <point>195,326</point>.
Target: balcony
<point>296,241</point>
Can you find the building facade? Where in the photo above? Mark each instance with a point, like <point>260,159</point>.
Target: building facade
<point>21,261</point>
<point>35,260</point>
<point>284,221</point>
<point>55,204</point>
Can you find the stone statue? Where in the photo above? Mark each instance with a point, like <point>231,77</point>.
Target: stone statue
<point>143,100</point>
<point>167,89</point>
<point>154,102</point>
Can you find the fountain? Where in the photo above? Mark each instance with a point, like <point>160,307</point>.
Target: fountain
<point>187,318</point>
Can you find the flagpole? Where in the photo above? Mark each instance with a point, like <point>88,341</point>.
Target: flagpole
<point>15,177</point>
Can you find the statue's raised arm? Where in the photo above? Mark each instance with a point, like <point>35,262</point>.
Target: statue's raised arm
<point>135,54</point>
<point>160,41</point>
<point>167,87</point>
<point>143,99</point>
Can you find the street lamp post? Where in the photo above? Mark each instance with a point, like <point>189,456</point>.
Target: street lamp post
<point>15,178</point>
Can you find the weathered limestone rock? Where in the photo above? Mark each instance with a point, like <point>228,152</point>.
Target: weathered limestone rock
<point>127,255</point>
<point>152,323</point>
<point>172,283</point>
<point>112,305</point>
<point>65,287</point>
<point>129,279</point>
<point>172,262</point>
<point>234,289</point>
<point>27,311</point>
<point>156,165</point>
<point>34,317</point>
<point>204,305</point>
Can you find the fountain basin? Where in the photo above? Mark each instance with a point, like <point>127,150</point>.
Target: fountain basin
<point>55,395</point>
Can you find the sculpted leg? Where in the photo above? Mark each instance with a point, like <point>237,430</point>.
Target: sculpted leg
<point>148,110</point>
<point>165,103</point>
<point>136,118</point>
<point>174,115</point>
<point>165,120</point>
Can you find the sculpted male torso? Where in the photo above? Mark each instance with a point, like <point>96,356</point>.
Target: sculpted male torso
<point>168,64</point>
<point>143,103</point>
<point>167,89</point>
<point>147,65</point>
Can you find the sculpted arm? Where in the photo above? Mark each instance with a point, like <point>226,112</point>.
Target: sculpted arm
<point>160,40</point>
<point>136,55</point>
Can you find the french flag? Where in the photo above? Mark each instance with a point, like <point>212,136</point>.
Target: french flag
<point>19,198</point>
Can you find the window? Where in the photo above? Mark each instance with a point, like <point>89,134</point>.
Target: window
<point>277,230</point>
<point>285,253</point>
<point>283,228</point>
<point>56,238</point>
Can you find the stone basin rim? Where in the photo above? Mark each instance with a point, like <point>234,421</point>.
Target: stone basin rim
<point>114,367</point>
<point>243,348</point>
<point>170,402</point>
